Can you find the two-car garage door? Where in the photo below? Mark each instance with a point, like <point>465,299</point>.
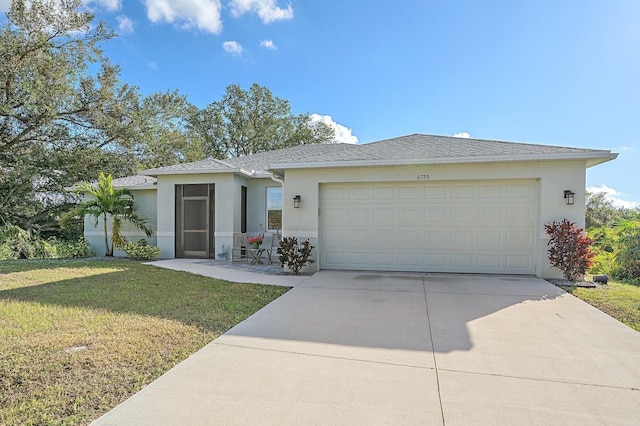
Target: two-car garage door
<point>479,226</point>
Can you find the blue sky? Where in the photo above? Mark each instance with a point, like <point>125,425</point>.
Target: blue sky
<point>550,72</point>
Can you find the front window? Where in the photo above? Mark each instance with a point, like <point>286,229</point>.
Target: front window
<point>274,208</point>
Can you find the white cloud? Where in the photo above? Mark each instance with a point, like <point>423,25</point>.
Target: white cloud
<point>463,135</point>
<point>201,14</point>
<point>268,44</point>
<point>110,5</point>
<point>613,196</point>
<point>267,10</point>
<point>125,24</point>
<point>342,133</point>
<point>233,47</point>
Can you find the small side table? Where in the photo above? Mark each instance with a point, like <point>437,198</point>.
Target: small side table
<point>256,256</point>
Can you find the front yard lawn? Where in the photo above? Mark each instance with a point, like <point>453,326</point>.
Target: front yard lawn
<point>78,337</point>
<point>620,300</point>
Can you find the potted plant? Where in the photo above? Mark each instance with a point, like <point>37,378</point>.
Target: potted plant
<point>255,241</point>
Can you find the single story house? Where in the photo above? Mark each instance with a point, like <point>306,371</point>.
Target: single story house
<point>412,203</point>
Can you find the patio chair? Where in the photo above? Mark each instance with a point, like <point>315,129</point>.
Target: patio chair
<point>267,238</point>
<point>239,249</point>
<point>272,247</point>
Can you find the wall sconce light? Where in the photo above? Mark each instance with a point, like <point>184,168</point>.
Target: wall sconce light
<point>569,197</point>
<point>296,201</point>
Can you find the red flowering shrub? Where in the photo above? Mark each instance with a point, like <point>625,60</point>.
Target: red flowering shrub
<point>569,249</point>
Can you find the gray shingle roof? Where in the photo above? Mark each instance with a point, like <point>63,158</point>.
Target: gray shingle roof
<point>202,165</point>
<point>132,182</point>
<point>262,160</point>
<point>416,148</point>
<point>420,147</point>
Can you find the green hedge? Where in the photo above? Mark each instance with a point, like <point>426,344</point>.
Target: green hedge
<point>141,250</point>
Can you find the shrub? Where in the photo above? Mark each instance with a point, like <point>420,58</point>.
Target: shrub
<point>293,255</point>
<point>628,250</point>
<point>17,243</point>
<point>75,248</point>
<point>569,249</point>
<point>7,252</point>
<point>603,243</point>
<point>141,250</point>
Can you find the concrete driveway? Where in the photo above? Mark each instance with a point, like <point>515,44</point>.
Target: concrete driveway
<point>376,348</point>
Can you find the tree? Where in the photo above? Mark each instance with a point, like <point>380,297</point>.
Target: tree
<point>250,121</point>
<point>106,202</point>
<point>61,105</point>
<point>600,212</point>
<point>569,249</point>
<point>165,131</point>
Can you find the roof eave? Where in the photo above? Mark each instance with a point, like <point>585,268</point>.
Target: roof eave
<point>595,161</point>
<point>152,172</point>
<point>593,158</point>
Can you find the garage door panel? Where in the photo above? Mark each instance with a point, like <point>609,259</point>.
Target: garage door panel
<point>462,238</point>
<point>408,239</point>
<point>523,191</point>
<point>462,260</point>
<point>435,260</point>
<point>486,226</point>
<point>491,191</point>
<point>335,194</point>
<point>463,191</point>
<point>359,193</point>
<point>518,262</point>
<point>409,260</point>
<point>384,237</point>
<point>489,261</point>
<point>384,192</point>
<point>410,215</point>
<point>383,215</point>
<point>462,214</point>
<point>490,239</point>
<point>490,215</point>
<point>435,192</point>
<point>433,214</point>
<point>435,239</point>
<point>358,215</point>
<point>358,259</point>
<point>411,193</point>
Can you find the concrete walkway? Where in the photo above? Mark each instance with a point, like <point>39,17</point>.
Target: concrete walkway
<point>371,348</point>
<point>235,272</point>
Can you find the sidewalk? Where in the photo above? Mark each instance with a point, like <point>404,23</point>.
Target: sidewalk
<point>240,272</point>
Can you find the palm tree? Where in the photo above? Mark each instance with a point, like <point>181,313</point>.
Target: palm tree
<point>106,201</point>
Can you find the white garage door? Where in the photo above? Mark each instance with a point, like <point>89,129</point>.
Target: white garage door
<point>480,226</point>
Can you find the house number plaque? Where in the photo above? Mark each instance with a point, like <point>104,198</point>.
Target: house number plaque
<point>422,176</point>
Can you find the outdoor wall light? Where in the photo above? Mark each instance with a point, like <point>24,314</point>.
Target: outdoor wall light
<point>296,201</point>
<point>568,197</point>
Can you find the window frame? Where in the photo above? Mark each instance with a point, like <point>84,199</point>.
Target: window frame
<point>267,209</point>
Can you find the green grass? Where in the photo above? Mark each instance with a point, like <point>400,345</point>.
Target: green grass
<point>620,300</point>
<point>78,337</point>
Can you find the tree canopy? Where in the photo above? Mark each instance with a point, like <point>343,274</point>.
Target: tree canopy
<point>65,115</point>
<point>61,104</point>
<point>249,121</point>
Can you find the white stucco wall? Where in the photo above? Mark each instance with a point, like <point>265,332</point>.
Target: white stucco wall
<point>554,177</point>
<point>145,204</point>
